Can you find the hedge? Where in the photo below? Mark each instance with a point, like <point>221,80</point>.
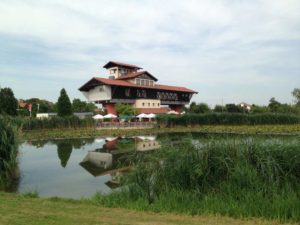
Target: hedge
<point>227,119</point>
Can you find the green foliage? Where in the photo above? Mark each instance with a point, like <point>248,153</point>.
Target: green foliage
<point>8,102</point>
<point>199,108</point>
<point>82,106</point>
<point>8,151</point>
<point>125,109</point>
<point>38,106</point>
<point>54,123</point>
<point>232,108</point>
<point>219,109</point>
<point>226,119</point>
<point>64,106</point>
<point>239,177</point>
<point>260,109</point>
<point>64,151</point>
<point>296,94</point>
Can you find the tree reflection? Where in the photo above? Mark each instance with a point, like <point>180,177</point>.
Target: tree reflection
<point>64,150</point>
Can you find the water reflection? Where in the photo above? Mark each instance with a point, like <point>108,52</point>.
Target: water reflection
<point>80,167</point>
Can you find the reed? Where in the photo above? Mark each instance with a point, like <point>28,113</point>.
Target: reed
<point>8,152</point>
<point>238,177</point>
<point>227,119</point>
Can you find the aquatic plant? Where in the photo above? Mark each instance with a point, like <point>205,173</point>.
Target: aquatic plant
<point>8,151</point>
<point>240,177</point>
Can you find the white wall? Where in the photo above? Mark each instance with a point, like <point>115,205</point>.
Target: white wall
<point>96,95</point>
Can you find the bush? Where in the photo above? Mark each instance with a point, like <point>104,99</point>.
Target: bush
<point>227,119</point>
<point>8,151</point>
<point>54,122</point>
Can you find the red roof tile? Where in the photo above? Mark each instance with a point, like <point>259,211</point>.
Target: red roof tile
<point>128,84</point>
<point>135,74</point>
<point>112,63</point>
<point>22,104</point>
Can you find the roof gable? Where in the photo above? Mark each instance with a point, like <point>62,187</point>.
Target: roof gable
<point>95,81</point>
<point>114,63</point>
<point>141,74</point>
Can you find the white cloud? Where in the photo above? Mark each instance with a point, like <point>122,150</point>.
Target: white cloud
<point>209,43</point>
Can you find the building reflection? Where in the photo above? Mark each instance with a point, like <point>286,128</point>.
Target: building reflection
<point>113,157</point>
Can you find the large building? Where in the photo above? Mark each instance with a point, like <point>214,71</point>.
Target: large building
<point>132,85</point>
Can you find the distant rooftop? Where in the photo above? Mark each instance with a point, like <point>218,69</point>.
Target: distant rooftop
<point>114,63</point>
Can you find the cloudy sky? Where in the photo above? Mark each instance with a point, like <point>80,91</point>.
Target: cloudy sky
<point>228,51</point>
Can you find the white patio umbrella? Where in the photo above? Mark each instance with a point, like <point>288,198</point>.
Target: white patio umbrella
<point>98,117</point>
<point>110,116</point>
<point>173,112</point>
<point>142,115</point>
<point>151,116</point>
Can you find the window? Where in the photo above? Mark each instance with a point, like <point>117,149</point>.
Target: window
<point>143,104</point>
<point>142,82</point>
<point>149,104</point>
<point>151,83</point>
<point>127,92</point>
<point>147,82</point>
<point>138,81</point>
<point>153,104</point>
<point>157,104</point>
<point>101,89</point>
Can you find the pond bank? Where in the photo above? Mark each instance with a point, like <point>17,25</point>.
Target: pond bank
<point>222,129</point>
<point>62,211</point>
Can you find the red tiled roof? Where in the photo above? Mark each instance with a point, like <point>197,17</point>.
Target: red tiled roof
<point>135,74</point>
<point>112,63</point>
<point>153,110</point>
<point>128,84</point>
<point>22,104</point>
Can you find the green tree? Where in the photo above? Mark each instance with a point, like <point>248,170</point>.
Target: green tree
<point>259,109</point>
<point>64,106</point>
<point>274,105</point>
<point>64,150</point>
<point>296,94</point>
<point>8,102</point>
<point>199,108</point>
<point>125,109</point>
<point>219,108</point>
<point>82,106</point>
<point>232,108</point>
<point>78,105</point>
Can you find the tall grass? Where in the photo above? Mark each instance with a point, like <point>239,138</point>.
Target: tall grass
<point>53,123</point>
<point>227,119</point>
<point>8,152</point>
<point>235,177</point>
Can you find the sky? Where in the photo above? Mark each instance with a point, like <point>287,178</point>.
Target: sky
<point>229,51</point>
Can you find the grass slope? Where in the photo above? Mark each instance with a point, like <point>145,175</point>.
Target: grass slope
<point>15,209</point>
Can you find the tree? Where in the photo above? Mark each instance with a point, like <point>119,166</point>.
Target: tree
<point>78,105</point>
<point>274,105</point>
<point>296,94</point>
<point>64,151</point>
<point>125,109</point>
<point>219,108</point>
<point>232,108</point>
<point>82,106</point>
<point>64,106</point>
<point>199,108</point>
<point>8,102</point>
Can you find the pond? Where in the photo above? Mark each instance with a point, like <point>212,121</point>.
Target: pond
<point>79,168</point>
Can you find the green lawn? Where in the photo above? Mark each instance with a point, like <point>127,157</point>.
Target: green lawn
<point>15,209</point>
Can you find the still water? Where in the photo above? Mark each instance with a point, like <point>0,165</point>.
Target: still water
<point>77,168</point>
